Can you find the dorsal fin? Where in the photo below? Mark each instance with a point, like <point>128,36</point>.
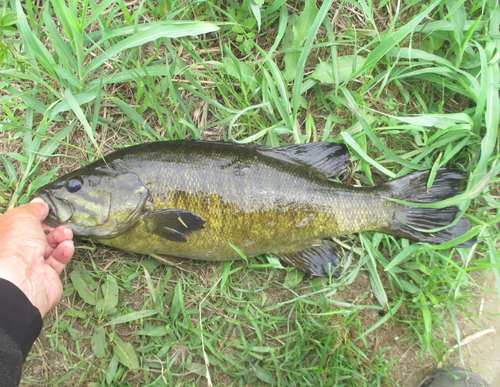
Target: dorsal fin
<point>327,158</point>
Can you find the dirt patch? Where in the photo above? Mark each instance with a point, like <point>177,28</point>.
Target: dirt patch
<point>481,337</point>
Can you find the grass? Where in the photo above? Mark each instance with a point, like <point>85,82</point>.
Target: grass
<point>407,86</point>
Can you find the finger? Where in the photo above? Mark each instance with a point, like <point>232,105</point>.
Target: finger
<point>61,256</point>
<point>47,228</point>
<point>21,227</point>
<point>58,235</point>
<point>37,207</point>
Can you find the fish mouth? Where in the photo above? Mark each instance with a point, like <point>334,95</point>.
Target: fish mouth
<point>60,211</point>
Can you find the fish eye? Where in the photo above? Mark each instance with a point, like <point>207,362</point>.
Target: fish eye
<point>74,185</point>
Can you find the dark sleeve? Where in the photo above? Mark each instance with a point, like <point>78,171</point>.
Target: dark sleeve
<point>20,325</point>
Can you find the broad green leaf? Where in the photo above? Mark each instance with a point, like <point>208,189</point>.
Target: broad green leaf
<point>262,374</point>
<point>301,28</point>
<point>150,264</point>
<point>132,317</point>
<point>440,121</point>
<point>100,37</point>
<point>110,372</point>
<point>81,284</point>
<point>293,278</point>
<point>177,302</point>
<point>110,295</point>
<point>154,331</point>
<point>22,159</point>
<point>346,66</point>
<point>225,274</point>
<point>242,71</point>
<point>126,353</point>
<point>98,342</point>
<point>409,287</point>
<point>77,314</point>
<point>441,25</point>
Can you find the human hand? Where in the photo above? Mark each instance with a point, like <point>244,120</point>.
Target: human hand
<point>31,259</point>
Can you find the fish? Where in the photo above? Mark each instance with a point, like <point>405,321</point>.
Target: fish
<point>179,201</point>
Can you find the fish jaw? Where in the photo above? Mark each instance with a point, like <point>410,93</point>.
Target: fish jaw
<point>60,211</point>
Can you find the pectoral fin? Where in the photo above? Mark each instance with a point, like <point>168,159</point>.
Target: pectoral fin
<point>174,225</point>
<point>318,259</point>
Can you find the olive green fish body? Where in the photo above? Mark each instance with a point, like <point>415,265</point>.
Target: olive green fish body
<point>248,199</point>
<point>196,200</point>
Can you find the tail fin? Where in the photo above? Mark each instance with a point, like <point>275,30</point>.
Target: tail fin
<point>409,221</point>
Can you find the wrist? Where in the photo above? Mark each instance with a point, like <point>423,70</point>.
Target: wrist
<point>19,319</point>
<point>30,281</point>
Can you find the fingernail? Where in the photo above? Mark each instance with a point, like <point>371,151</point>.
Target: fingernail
<point>37,200</point>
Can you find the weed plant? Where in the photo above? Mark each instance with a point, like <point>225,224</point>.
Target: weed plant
<point>407,85</point>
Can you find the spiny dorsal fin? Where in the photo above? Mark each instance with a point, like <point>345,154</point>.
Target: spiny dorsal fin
<point>327,158</point>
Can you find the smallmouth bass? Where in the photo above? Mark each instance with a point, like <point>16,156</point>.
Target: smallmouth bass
<point>183,200</point>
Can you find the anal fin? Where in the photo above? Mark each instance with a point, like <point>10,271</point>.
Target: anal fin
<point>317,259</point>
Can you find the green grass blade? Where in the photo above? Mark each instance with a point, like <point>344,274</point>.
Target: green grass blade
<point>165,30</point>
<point>73,104</point>
<point>391,40</point>
<point>136,117</point>
<point>299,75</point>
<point>354,145</point>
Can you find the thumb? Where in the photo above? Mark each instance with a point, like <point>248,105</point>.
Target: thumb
<point>38,207</point>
